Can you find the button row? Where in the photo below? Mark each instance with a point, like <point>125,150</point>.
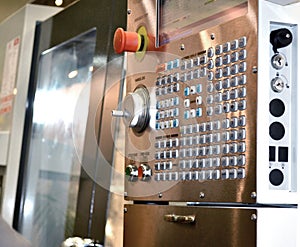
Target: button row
<point>213,162</point>
<point>199,163</point>
<point>167,143</point>
<point>232,70</point>
<point>163,166</point>
<point>233,173</point>
<point>190,63</point>
<point>198,73</point>
<point>191,90</point>
<point>168,124</point>
<point>233,148</point>
<point>167,103</point>
<point>230,58</point>
<point>164,80</point>
<point>168,89</point>
<point>202,175</point>
<point>169,154</point>
<point>227,148</point>
<point>227,83</point>
<point>227,123</point>
<point>227,95</point>
<point>232,135</point>
<point>167,113</point>
<point>200,151</point>
<point>233,160</point>
<point>174,64</point>
<point>231,46</point>
<point>234,106</point>
<point>204,72</point>
<point>193,113</point>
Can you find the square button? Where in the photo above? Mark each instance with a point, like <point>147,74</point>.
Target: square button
<point>283,154</point>
<point>272,153</point>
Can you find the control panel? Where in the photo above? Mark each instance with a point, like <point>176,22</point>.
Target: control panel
<point>283,106</point>
<point>191,106</point>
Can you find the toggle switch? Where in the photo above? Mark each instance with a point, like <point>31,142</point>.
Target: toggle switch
<point>144,172</point>
<point>131,172</point>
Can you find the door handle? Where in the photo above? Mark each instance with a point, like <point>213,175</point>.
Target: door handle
<point>182,219</point>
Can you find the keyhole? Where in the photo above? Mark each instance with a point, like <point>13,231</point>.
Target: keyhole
<point>278,61</point>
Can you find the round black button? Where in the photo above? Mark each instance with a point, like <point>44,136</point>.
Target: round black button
<point>276,107</point>
<point>276,131</point>
<point>276,177</point>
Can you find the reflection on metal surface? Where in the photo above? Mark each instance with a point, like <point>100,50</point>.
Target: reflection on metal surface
<point>79,242</point>
<point>58,3</point>
<point>53,162</point>
<point>177,19</point>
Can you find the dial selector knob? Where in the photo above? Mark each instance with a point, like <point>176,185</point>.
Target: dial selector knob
<point>135,109</point>
<point>280,38</point>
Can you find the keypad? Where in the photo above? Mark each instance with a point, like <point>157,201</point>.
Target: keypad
<point>201,104</point>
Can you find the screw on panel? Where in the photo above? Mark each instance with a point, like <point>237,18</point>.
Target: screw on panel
<point>201,195</point>
<point>253,195</point>
<point>125,210</point>
<point>182,47</point>
<point>128,11</point>
<point>212,36</point>
<point>160,195</point>
<point>254,70</point>
<point>253,217</point>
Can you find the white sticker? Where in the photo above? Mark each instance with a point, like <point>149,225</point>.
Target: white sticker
<point>9,75</point>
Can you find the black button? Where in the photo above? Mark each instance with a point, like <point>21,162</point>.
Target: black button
<point>276,131</point>
<point>272,154</point>
<point>276,107</point>
<point>283,154</point>
<point>276,177</point>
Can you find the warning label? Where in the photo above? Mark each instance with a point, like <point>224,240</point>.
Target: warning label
<point>9,75</point>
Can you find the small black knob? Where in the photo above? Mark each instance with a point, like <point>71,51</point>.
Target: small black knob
<point>280,38</point>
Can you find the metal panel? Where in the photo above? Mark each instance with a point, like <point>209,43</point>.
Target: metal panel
<point>141,146</point>
<point>148,226</point>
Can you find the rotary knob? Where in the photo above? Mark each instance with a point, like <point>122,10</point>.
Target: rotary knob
<point>135,109</point>
<point>280,38</point>
<point>144,172</point>
<point>131,172</point>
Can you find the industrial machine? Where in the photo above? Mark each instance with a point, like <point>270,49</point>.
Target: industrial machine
<point>211,116</point>
<point>16,38</point>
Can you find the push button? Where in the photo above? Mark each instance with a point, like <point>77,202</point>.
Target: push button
<point>126,41</point>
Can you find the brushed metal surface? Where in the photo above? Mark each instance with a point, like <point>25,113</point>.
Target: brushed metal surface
<point>144,225</point>
<point>140,147</point>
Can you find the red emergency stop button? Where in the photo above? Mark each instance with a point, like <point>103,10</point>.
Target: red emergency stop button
<point>126,41</point>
